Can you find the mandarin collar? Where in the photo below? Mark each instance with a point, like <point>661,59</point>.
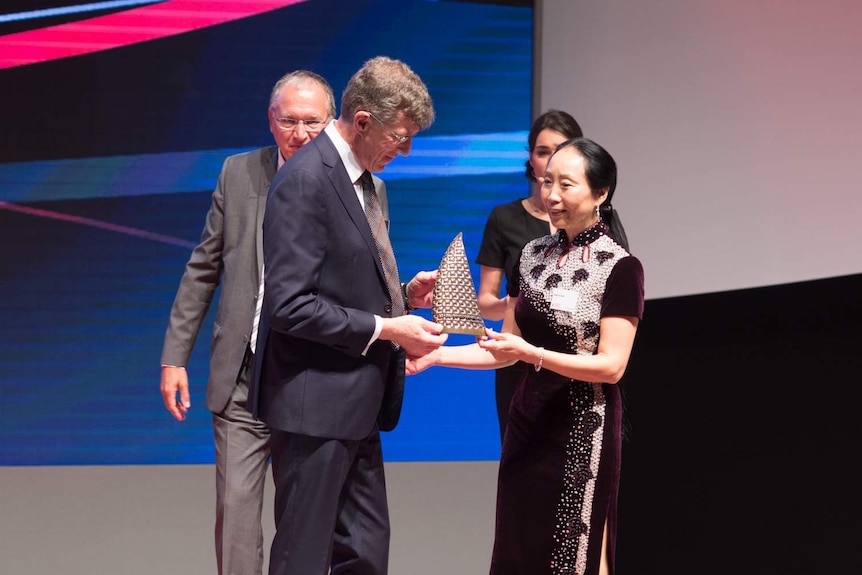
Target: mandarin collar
<point>584,238</point>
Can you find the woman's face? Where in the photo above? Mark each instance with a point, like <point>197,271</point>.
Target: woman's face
<point>570,199</point>
<point>546,142</point>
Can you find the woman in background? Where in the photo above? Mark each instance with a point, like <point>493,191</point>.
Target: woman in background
<point>508,228</point>
<point>513,224</point>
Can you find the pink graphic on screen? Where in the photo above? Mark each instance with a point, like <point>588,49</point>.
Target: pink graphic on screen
<point>139,24</point>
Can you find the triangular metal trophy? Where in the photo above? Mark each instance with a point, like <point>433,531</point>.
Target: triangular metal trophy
<point>454,303</point>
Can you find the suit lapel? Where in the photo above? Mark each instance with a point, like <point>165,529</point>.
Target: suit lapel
<point>380,188</point>
<point>269,165</point>
<point>347,194</point>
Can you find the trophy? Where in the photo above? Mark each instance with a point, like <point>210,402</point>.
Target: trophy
<point>454,303</point>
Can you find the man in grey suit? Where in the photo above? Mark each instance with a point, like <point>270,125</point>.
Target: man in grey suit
<point>230,254</point>
<point>329,372</point>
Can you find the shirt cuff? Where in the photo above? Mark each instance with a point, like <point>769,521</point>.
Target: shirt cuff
<point>378,325</point>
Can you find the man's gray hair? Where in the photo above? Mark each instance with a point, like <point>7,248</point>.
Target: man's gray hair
<point>384,87</point>
<point>300,79</point>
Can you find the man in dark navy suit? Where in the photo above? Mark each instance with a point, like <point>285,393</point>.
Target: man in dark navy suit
<point>329,367</point>
<point>229,258</point>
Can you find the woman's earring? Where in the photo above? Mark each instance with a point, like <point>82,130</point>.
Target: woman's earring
<point>598,214</point>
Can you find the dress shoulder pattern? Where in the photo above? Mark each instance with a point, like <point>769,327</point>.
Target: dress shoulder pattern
<point>549,265</point>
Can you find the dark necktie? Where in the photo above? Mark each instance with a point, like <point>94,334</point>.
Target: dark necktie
<point>374,214</point>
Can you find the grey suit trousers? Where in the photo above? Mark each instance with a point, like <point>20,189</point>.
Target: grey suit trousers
<point>242,458</point>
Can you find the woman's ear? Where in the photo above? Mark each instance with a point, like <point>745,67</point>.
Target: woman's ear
<point>603,195</point>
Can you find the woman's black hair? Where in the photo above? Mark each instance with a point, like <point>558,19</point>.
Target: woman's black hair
<point>555,120</point>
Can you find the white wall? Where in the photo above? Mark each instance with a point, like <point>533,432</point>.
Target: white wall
<point>736,125</point>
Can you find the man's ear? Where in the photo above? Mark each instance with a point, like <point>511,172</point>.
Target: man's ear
<point>361,121</point>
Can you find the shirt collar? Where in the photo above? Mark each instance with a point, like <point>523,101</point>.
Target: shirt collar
<point>348,158</point>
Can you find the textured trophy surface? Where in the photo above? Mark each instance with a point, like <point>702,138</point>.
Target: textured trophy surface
<point>454,303</point>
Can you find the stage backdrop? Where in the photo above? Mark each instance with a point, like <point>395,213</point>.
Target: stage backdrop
<point>116,117</point>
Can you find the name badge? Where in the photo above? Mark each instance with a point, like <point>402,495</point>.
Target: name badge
<point>564,299</point>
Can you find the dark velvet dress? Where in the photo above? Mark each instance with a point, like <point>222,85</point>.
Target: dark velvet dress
<point>560,465</point>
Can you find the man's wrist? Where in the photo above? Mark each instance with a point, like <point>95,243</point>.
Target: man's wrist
<point>407,306</point>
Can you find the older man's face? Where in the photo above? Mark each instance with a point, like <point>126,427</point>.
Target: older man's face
<point>298,116</point>
<point>379,143</point>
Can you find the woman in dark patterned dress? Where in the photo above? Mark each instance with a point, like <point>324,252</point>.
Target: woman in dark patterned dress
<point>513,224</point>
<point>573,315</point>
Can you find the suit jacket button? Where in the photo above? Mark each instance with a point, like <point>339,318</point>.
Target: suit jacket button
<point>388,308</point>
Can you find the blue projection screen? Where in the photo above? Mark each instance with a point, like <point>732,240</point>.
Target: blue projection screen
<point>110,155</point>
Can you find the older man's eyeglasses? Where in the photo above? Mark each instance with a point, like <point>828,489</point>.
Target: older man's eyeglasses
<point>396,137</point>
<point>291,124</point>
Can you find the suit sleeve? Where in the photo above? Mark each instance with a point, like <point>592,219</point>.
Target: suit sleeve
<point>198,284</point>
<point>305,296</point>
